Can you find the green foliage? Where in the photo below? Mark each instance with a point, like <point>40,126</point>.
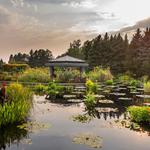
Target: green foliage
<point>57,91</point>
<point>135,83</point>
<point>125,79</point>
<point>40,89</point>
<point>91,87</point>
<point>139,114</point>
<point>40,75</point>
<point>68,76</point>
<point>14,67</point>
<point>39,58</point>
<point>109,82</point>
<point>100,75</point>
<point>90,101</point>
<point>147,87</point>
<point>18,105</point>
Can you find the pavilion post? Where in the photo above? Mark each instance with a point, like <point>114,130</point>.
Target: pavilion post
<point>82,70</point>
<point>52,72</point>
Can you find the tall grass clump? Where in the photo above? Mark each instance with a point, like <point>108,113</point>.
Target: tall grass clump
<point>139,114</point>
<point>67,75</point>
<point>147,87</point>
<point>100,75</point>
<point>90,101</point>
<point>40,75</point>
<point>19,102</point>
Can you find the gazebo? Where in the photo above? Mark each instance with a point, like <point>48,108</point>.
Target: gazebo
<point>66,61</point>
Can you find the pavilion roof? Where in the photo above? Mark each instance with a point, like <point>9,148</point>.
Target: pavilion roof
<point>68,61</point>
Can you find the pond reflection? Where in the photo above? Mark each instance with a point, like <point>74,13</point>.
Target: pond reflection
<point>10,135</point>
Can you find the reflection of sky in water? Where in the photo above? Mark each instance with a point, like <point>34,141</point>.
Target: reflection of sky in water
<point>63,129</point>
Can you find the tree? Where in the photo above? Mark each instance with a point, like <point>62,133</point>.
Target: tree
<point>19,58</point>
<point>39,58</point>
<point>75,49</point>
<point>1,64</point>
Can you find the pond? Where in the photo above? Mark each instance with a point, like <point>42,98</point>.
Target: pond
<point>56,129</point>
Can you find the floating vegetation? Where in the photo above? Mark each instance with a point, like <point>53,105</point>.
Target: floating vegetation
<point>82,118</point>
<point>89,140</point>
<point>128,124</point>
<point>33,126</point>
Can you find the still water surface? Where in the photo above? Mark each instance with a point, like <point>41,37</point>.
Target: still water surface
<point>63,129</point>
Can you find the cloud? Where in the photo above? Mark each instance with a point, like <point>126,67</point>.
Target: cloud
<point>17,3</point>
<point>140,24</point>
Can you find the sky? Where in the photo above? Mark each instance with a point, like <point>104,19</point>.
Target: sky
<point>53,24</point>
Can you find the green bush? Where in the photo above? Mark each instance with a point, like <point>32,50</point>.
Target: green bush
<point>18,105</point>
<point>67,76</point>
<point>14,67</point>
<point>100,75</point>
<point>125,79</point>
<point>139,114</point>
<point>135,83</point>
<point>91,87</point>
<point>90,101</point>
<point>55,91</point>
<point>147,87</point>
<point>40,89</point>
<point>109,82</point>
<point>40,75</point>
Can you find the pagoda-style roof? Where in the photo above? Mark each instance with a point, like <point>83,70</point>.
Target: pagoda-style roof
<point>67,61</point>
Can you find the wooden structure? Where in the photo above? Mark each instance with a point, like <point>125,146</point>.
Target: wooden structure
<point>66,61</point>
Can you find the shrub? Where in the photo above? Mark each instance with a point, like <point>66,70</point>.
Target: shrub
<point>109,82</point>
<point>68,75</point>
<point>18,105</point>
<point>91,87</point>
<point>100,75</point>
<point>125,79</point>
<point>55,91</point>
<point>40,89</point>
<point>135,83</point>
<point>139,114</point>
<point>40,75</point>
<point>90,101</point>
<point>147,87</point>
<point>14,67</point>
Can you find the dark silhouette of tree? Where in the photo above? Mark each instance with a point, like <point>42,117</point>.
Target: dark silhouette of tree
<point>39,58</point>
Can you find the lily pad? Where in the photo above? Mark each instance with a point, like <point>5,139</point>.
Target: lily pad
<point>89,140</point>
<point>82,118</point>
<point>33,126</point>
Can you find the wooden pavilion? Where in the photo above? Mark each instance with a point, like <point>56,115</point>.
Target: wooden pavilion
<point>66,61</point>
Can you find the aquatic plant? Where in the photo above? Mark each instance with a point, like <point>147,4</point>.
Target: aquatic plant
<point>139,114</point>
<point>90,101</point>
<point>90,140</point>
<point>17,107</point>
<point>40,75</point>
<point>85,118</point>
<point>147,87</point>
<point>91,87</point>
